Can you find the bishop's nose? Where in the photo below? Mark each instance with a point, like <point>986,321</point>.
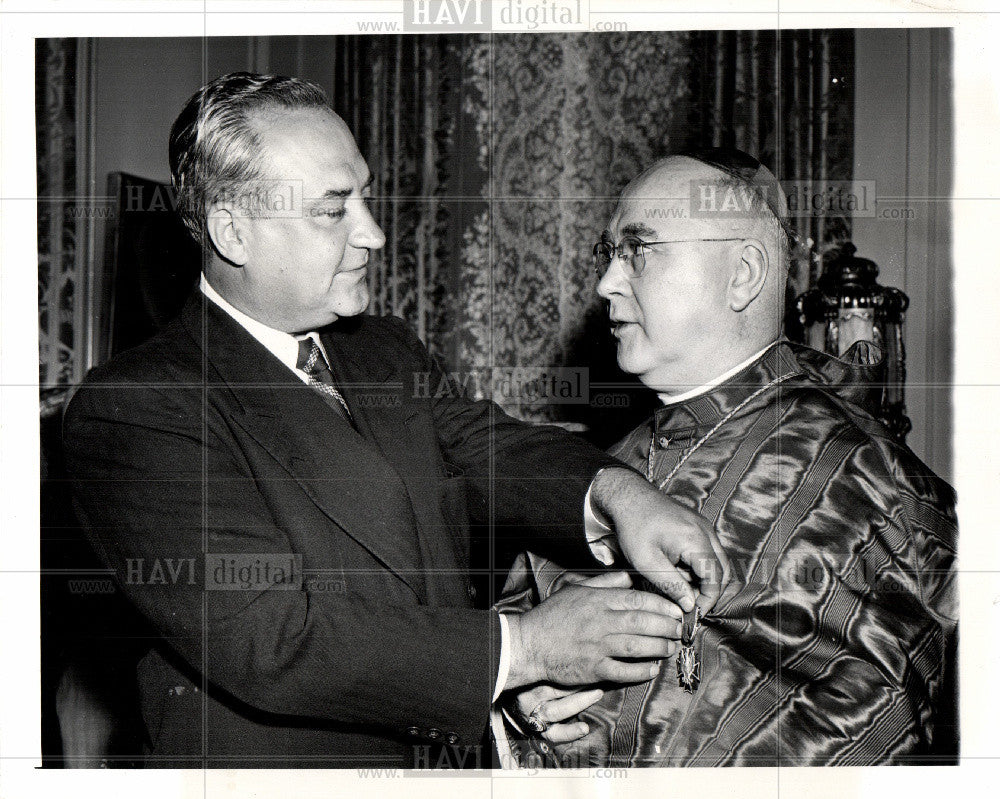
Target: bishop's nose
<point>614,283</point>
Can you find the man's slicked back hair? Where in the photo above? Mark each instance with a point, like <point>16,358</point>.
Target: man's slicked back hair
<point>214,145</point>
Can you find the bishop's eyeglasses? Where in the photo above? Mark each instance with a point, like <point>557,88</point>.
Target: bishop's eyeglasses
<point>631,249</point>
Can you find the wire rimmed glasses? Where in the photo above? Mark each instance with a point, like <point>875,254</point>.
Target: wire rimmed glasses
<point>631,249</point>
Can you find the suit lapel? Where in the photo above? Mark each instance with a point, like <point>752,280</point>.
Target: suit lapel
<point>341,472</point>
<point>378,398</point>
<point>374,393</point>
<point>378,383</point>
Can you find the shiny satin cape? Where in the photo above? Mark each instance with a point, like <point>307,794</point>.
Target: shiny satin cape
<point>830,646</point>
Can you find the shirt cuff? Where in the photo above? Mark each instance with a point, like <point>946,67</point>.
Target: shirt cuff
<point>601,539</point>
<point>504,669</point>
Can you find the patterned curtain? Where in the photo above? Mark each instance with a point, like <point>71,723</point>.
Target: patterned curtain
<point>61,330</point>
<point>564,122</point>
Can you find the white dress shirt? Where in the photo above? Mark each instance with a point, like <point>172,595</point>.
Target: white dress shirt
<point>283,346</point>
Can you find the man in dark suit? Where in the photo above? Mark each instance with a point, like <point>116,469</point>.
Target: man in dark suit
<point>291,516</point>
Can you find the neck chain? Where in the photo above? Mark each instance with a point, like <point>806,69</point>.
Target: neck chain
<point>709,434</point>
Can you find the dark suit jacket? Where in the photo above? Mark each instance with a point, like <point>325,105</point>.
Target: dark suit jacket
<point>199,447</point>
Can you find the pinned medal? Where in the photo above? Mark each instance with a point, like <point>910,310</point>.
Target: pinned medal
<point>688,665</point>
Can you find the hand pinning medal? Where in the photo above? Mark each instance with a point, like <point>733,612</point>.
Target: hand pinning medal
<point>688,665</point>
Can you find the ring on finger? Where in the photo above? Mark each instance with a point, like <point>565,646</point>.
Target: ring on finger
<point>535,720</point>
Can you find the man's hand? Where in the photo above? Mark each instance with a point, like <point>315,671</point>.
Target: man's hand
<point>552,705</point>
<point>660,537</point>
<point>579,635</point>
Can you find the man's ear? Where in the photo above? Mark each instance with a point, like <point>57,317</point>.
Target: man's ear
<point>749,276</point>
<point>228,234</point>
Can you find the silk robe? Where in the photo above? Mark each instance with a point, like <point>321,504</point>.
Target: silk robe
<point>834,643</point>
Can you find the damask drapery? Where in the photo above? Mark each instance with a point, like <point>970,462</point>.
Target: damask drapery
<point>566,120</point>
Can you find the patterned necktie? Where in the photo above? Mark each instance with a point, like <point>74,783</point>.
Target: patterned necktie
<point>312,362</point>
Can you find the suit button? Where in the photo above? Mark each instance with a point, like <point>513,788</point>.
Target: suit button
<point>472,591</point>
<point>451,738</point>
<point>433,733</point>
<point>413,731</point>
<point>663,441</point>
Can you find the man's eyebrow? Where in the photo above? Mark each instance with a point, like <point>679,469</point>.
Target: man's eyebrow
<point>335,194</point>
<point>340,194</point>
<point>638,229</point>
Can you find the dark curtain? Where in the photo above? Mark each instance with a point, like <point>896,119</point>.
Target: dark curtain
<point>786,97</point>
<point>400,97</point>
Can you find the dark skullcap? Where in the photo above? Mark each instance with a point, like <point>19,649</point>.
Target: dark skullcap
<point>749,171</point>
